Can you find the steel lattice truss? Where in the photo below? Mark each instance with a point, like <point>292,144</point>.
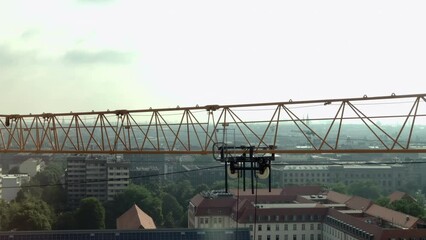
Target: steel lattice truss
<point>392,124</point>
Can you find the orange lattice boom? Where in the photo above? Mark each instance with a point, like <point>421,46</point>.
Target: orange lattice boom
<point>389,124</point>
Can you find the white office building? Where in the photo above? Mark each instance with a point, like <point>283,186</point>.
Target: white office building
<point>11,185</point>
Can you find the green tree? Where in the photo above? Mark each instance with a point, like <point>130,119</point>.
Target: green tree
<point>65,221</point>
<point>55,196</point>
<point>200,188</point>
<point>383,201</point>
<point>50,175</point>
<point>28,190</point>
<point>46,185</point>
<point>338,187</point>
<point>173,209</point>
<point>134,194</point>
<point>90,214</point>
<point>181,190</point>
<point>5,214</point>
<point>32,214</point>
<point>366,189</point>
<point>409,207</point>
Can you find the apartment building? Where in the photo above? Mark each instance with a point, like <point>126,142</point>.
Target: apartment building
<point>301,213</point>
<point>98,176</point>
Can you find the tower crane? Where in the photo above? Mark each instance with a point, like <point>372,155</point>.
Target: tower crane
<point>260,130</point>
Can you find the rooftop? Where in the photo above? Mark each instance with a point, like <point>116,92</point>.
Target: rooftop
<point>287,205</point>
<point>305,167</point>
<point>302,200</point>
<point>135,218</point>
<point>367,167</point>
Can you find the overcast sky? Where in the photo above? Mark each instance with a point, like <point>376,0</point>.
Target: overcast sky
<point>83,55</point>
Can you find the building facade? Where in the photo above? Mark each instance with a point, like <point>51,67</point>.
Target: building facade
<point>301,213</point>
<point>387,177</point>
<point>162,234</point>
<point>101,177</point>
<point>11,184</point>
<point>31,166</point>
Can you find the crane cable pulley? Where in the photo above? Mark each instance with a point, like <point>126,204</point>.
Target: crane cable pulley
<point>236,166</point>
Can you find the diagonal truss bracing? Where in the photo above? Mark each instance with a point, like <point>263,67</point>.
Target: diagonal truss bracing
<point>393,124</point>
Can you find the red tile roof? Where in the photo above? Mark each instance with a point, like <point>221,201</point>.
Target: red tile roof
<point>400,219</point>
<point>393,217</point>
<point>135,218</point>
<point>302,190</point>
<point>337,197</point>
<point>358,203</point>
<point>260,192</point>
<point>212,206</point>
<point>396,196</point>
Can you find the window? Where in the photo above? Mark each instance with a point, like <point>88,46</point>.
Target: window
<point>319,226</point>
<point>312,237</point>
<point>312,226</point>
<point>259,227</point>
<point>303,237</point>
<point>294,237</point>
<point>201,220</point>
<point>303,226</point>
<point>259,237</point>
<point>268,237</point>
<point>268,227</point>
<point>277,227</point>
<point>294,227</point>
<point>277,237</point>
<point>286,227</point>
<point>286,237</point>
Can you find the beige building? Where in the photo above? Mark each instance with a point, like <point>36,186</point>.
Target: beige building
<point>301,213</point>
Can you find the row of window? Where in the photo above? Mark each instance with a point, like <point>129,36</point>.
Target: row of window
<point>118,185</point>
<point>290,237</point>
<point>216,220</point>
<point>306,180</point>
<point>346,175</point>
<point>118,173</point>
<point>286,218</point>
<point>307,174</point>
<point>383,183</point>
<point>303,226</point>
